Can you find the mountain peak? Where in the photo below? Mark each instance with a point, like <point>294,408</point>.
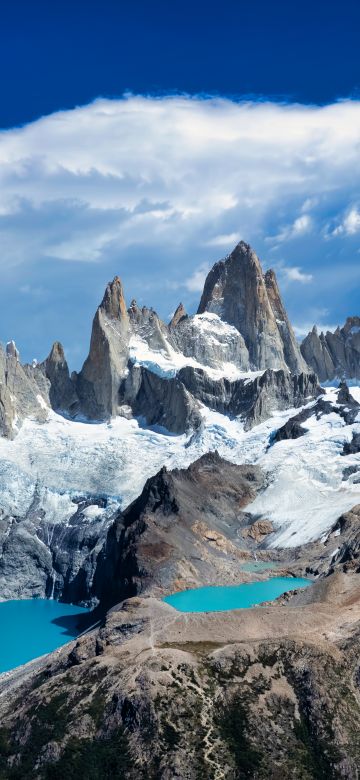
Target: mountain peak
<point>240,294</point>
<point>57,354</point>
<point>179,314</point>
<point>113,303</point>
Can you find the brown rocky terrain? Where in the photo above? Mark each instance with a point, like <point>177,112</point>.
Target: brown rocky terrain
<point>271,692</point>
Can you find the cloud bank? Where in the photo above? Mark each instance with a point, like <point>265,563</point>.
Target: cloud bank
<point>156,189</point>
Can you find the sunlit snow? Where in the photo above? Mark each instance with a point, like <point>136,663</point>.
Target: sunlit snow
<point>62,459</point>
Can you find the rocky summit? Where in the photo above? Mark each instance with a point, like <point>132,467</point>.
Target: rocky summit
<point>194,454</point>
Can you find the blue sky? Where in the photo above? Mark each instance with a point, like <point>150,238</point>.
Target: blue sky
<point>146,139</point>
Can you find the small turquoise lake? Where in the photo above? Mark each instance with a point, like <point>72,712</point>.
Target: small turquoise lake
<point>33,627</point>
<point>223,598</point>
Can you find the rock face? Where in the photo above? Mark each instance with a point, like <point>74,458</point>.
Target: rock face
<point>237,290</point>
<point>22,392</point>
<point>151,544</point>
<point>138,366</point>
<point>241,325</point>
<point>51,548</point>
<point>334,355</point>
<point>62,393</point>
<point>160,401</point>
<point>253,398</point>
<point>98,383</point>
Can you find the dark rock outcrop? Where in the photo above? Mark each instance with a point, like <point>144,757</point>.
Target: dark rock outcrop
<point>159,400</point>
<point>253,399</point>
<point>157,540</point>
<point>40,557</point>
<point>334,355</point>
<point>62,393</point>
<point>178,316</point>
<point>238,292</point>
<point>291,430</point>
<point>353,446</point>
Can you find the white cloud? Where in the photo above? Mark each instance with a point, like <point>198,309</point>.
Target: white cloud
<point>175,170</point>
<point>195,282</point>
<point>225,240</point>
<point>301,225</point>
<point>350,225</point>
<point>296,275</point>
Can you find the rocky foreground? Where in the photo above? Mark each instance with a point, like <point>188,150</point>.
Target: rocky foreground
<point>271,692</point>
<point>155,694</point>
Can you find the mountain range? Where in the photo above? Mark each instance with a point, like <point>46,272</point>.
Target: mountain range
<point>179,455</point>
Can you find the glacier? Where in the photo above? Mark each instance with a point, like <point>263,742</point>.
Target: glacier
<point>62,459</point>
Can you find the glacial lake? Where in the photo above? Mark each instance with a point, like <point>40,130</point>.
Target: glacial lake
<point>32,627</point>
<point>221,599</point>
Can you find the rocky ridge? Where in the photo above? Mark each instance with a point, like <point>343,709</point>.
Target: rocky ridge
<point>334,355</point>
<point>139,366</point>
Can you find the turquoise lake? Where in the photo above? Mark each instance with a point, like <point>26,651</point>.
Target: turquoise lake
<point>221,599</point>
<point>33,627</point>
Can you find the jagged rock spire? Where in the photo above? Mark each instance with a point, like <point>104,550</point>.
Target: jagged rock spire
<point>178,315</point>
<point>62,393</point>
<point>237,290</point>
<point>113,303</point>
<point>98,382</point>
<point>334,355</point>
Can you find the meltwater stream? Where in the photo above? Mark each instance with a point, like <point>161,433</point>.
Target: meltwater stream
<point>223,598</point>
<point>32,627</point>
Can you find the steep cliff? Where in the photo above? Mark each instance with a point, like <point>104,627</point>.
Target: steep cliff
<point>237,290</point>
<point>334,355</point>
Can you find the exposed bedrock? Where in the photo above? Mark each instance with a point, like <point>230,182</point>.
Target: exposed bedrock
<point>253,398</point>
<point>237,290</point>
<point>210,341</point>
<point>98,382</point>
<point>159,401</point>
<point>23,392</point>
<point>62,392</point>
<point>334,355</point>
<point>184,527</point>
<point>51,549</point>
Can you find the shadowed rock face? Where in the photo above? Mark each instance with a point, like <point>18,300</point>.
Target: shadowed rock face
<point>159,401</point>
<point>238,292</point>
<point>252,399</point>
<point>181,527</point>
<point>62,393</point>
<point>335,354</point>
<point>98,383</point>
